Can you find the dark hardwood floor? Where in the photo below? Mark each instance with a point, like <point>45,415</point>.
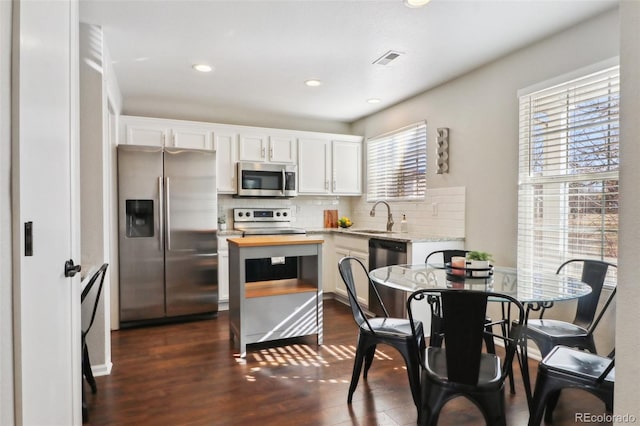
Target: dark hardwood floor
<point>189,374</point>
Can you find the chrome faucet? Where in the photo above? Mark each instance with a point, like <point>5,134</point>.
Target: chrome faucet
<point>372,213</point>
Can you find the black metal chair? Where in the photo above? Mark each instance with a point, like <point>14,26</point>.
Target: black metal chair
<point>437,326</point>
<point>548,333</point>
<point>566,367</point>
<point>395,332</point>
<point>461,368</point>
<point>89,299</point>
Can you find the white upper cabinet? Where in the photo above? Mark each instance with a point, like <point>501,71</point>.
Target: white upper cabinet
<point>192,137</point>
<point>226,146</point>
<point>169,133</point>
<point>329,167</point>
<point>314,166</point>
<point>136,132</point>
<point>267,148</point>
<point>253,147</point>
<point>347,167</point>
<point>328,164</point>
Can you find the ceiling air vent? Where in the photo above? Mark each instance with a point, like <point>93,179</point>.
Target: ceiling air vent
<point>388,57</point>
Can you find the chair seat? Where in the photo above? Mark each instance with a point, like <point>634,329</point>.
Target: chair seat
<point>490,369</point>
<point>555,328</point>
<point>391,326</point>
<point>577,363</point>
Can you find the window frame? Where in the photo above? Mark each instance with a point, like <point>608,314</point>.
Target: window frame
<point>380,183</point>
<point>567,144</point>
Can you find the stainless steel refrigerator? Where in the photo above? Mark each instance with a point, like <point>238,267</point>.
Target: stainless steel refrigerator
<point>167,217</point>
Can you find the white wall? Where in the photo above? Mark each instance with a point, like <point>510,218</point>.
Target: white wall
<point>95,186</point>
<point>627,333</point>
<point>6,294</point>
<point>481,111</point>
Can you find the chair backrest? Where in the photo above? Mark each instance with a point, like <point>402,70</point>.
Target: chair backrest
<point>464,313</point>
<point>90,297</point>
<point>594,273</point>
<point>346,266</point>
<point>447,254</point>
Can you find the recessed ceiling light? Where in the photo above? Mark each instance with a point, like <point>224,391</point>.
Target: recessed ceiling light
<point>313,83</point>
<point>202,67</point>
<point>373,100</point>
<point>415,3</point>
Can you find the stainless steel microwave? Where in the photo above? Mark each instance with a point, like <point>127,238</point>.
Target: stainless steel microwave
<point>266,180</point>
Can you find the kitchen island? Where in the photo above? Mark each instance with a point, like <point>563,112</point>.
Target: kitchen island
<point>273,309</point>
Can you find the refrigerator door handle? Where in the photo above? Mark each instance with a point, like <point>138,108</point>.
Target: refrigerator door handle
<point>160,214</point>
<point>168,213</point>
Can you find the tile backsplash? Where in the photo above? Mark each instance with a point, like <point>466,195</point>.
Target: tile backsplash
<point>441,213</point>
<point>307,211</point>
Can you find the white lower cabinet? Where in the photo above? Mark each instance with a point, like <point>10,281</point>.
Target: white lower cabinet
<point>223,271</point>
<point>358,248</point>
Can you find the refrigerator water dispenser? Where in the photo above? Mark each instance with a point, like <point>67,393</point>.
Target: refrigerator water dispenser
<point>139,215</point>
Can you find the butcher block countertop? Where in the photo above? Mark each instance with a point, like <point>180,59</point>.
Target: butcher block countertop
<point>274,240</point>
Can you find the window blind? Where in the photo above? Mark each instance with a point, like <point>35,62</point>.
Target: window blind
<point>397,164</point>
<point>568,172</point>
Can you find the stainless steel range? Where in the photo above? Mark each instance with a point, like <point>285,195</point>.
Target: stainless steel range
<point>264,221</point>
<point>267,221</point>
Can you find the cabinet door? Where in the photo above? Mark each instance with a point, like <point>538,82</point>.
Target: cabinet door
<point>196,138</point>
<point>145,134</point>
<point>253,147</point>
<point>313,166</point>
<point>282,149</point>
<point>340,287</point>
<point>223,276</point>
<point>226,145</point>
<point>362,279</point>
<point>347,168</point>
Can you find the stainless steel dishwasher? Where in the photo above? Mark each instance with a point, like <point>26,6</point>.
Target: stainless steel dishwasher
<point>385,253</point>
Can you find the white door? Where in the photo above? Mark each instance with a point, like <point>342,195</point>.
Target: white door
<point>46,191</point>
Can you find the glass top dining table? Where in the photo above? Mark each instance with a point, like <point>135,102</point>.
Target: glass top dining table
<point>533,289</point>
<point>527,286</point>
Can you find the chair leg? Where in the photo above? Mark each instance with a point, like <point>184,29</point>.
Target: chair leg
<point>371,352</point>
<point>86,370</point>
<point>539,401</point>
<point>552,402</point>
<point>355,376</point>
<point>409,353</point>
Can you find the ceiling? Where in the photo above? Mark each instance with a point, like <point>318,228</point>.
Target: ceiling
<point>263,51</point>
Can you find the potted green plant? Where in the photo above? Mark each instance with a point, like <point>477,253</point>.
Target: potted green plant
<point>479,260</point>
<point>222,223</point>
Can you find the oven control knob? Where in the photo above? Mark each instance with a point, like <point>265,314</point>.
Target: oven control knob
<point>248,214</point>
<point>284,214</point>
<point>240,214</point>
<point>278,214</point>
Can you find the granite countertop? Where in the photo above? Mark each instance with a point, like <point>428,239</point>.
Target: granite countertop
<point>412,237</point>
